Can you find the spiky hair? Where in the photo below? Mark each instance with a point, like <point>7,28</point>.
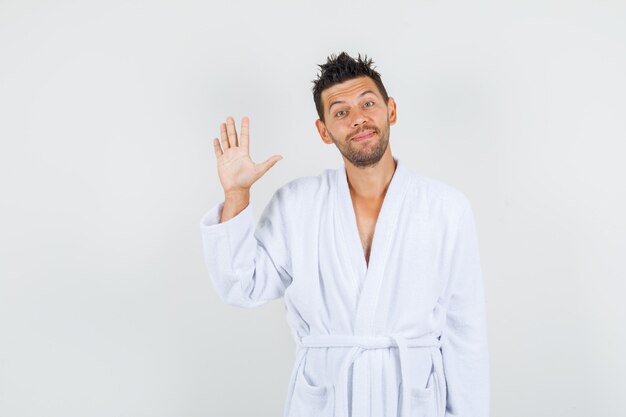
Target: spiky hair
<point>338,69</point>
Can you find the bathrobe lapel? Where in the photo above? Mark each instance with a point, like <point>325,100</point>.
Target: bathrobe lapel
<point>368,279</point>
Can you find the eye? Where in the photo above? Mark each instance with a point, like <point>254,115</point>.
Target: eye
<point>368,103</point>
<point>339,113</point>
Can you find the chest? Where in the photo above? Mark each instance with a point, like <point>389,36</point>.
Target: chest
<point>366,216</point>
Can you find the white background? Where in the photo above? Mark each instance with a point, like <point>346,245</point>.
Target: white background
<point>107,114</point>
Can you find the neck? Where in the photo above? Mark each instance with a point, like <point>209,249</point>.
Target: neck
<point>370,183</point>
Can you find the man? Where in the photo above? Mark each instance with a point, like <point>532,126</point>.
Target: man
<point>378,266</point>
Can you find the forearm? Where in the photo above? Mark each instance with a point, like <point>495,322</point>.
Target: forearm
<point>248,263</point>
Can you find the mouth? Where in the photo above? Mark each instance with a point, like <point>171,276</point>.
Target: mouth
<point>363,136</point>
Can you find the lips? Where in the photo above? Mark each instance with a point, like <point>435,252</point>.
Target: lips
<point>363,135</point>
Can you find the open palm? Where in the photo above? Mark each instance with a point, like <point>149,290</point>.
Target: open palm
<point>236,170</point>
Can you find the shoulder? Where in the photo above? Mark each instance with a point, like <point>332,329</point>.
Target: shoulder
<point>305,188</point>
<point>309,184</point>
<point>439,195</point>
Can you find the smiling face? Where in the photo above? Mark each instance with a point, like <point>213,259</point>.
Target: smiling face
<point>357,120</point>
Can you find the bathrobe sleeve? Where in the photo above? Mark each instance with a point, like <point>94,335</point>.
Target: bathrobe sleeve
<point>249,264</point>
<point>464,339</point>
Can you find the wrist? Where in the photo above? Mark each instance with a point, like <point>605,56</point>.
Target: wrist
<point>237,195</point>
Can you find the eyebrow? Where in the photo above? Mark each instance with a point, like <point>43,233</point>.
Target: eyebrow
<point>340,101</point>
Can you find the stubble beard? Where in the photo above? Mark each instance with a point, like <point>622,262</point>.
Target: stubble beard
<point>367,154</point>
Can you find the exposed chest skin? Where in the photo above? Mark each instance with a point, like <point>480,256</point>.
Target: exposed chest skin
<point>366,213</point>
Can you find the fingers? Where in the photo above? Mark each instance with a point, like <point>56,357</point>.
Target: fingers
<point>245,132</point>
<point>232,133</point>
<point>224,135</point>
<point>269,162</point>
<point>217,148</point>
<point>228,133</point>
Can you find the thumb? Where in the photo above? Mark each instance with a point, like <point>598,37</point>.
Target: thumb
<point>268,163</point>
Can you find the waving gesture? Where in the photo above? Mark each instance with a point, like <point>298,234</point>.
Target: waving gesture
<point>236,170</point>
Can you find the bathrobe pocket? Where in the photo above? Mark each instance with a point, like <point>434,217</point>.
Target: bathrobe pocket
<point>424,400</point>
<point>311,400</point>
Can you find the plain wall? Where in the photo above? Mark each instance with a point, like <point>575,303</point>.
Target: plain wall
<point>107,114</point>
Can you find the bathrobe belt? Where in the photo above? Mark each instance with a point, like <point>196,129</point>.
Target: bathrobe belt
<point>362,343</point>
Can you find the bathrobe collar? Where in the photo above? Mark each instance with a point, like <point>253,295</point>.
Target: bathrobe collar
<point>368,278</point>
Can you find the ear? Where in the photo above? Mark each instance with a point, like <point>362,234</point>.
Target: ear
<point>321,128</point>
<point>391,111</point>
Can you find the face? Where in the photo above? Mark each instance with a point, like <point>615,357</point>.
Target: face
<point>357,120</point>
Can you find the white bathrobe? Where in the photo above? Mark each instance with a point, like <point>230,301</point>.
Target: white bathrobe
<point>403,336</point>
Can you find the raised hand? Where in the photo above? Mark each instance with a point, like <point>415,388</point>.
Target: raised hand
<point>236,170</point>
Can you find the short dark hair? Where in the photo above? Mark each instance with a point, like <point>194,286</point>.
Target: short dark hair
<point>338,69</point>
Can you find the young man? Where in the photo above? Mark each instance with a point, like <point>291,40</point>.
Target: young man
<point>378,266</point>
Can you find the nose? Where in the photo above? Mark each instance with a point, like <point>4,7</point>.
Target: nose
<point>358,118</point>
